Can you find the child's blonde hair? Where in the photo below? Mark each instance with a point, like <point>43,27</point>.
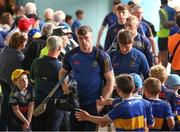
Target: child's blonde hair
<point>159,72</point>
<point>152,86</point>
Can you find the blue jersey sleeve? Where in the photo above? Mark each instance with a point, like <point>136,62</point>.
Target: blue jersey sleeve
<point>168,110</point>
<point>149,113</point>
<point>114,113</point>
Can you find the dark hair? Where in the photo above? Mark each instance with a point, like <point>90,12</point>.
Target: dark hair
<point>125,83</point>
<point>125,37</point>
<point>68,17</point>
<point>152,86</point>
<point>79,12</point>
<point>178,19</point>
<point>5,18</point>
<point>116,2</point>
<point>18,8</point>
<point>121,7</point>
<point>83,30</point>
<point>164,2</point>
<point>131,3</point>
<point>17,39</point>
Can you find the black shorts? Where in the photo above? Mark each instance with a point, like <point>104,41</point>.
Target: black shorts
<point>162,44</point>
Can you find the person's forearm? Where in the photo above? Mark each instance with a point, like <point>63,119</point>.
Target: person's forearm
<point>108,88</point>
<point>20,115</point>
<point>99,35</point>
<point>30,111</point>
<point>97,120</point>
<point>153,44</point>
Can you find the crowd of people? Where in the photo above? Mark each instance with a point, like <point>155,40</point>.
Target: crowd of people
<point>124,82</point>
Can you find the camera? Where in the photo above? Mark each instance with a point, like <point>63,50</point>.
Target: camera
<point>69,102</point>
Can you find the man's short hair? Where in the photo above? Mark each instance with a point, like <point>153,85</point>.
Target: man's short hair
<point>178,19</point>
<point>47,29</point>
<point>79,12</point>
<point>121,7</point>
<point>152,86</point>
<point>59,16</point>
<point>159,72</point>
<point>30,8</point>
<point>135,8</point>
<point>54,42</point>
<point>83,30</point>
<point>125,37</point>
<point>130,3</point>
<point>164,2</point>
<point>125,83</point>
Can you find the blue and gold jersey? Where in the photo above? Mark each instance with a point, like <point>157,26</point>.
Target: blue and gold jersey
<point>161,112</point>
<point>130,115</point>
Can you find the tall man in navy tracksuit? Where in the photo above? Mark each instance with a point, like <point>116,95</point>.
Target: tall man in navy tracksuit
<point>88,71</point>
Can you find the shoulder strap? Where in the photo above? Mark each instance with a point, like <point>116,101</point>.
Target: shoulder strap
<point>174,51</point>
<point>98,55</point>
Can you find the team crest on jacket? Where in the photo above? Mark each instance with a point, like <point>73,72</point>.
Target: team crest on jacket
<point>132,62</point>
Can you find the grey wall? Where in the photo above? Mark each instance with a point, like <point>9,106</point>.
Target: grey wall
<point>95,10</point>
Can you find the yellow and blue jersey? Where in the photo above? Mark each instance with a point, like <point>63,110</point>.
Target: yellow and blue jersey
<point>131,114</point>
<point>161,112</point>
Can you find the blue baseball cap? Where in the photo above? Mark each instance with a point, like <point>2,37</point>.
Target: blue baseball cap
<point>34,33</point>
<point>137,80</point>
<point>172,81</point>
